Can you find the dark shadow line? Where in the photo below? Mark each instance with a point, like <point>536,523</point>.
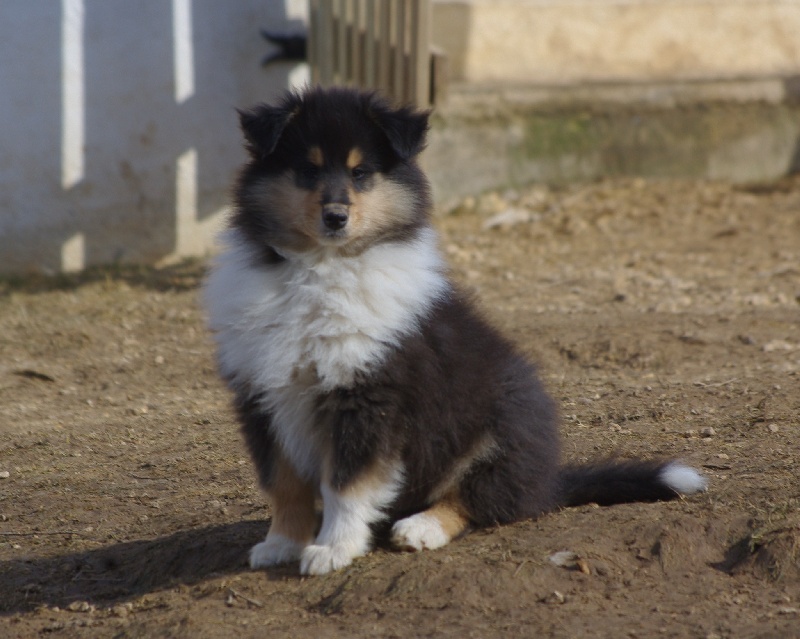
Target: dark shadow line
<point>185,275</point>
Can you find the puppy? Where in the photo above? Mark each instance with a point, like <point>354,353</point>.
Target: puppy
<point>362,376</point>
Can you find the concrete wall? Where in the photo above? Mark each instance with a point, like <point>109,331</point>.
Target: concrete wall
<point>565,90</point>
<point>497,137</point>
<point>567,41</point>
<point>119,137</point>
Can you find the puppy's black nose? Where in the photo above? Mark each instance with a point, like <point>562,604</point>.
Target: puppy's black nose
<point>334,216</point>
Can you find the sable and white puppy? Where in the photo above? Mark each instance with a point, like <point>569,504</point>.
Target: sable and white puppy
<point>362,376</point>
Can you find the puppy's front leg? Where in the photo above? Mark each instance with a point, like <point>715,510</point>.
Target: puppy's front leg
<point>294,519</point>
<point>347,515</point>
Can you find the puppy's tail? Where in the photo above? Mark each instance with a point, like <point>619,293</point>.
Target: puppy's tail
<point>621,481</point>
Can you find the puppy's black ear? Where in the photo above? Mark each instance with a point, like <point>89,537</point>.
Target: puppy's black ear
<point>262,128</point>
<point>405,128</point>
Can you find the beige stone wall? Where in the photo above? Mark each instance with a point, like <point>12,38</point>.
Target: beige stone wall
<point>565,41</point>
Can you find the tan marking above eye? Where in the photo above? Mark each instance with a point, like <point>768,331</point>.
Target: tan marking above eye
<point>315,156</point>
<point>354,158</point>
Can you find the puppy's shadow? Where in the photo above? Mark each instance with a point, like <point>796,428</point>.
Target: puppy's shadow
<point>126,570</point>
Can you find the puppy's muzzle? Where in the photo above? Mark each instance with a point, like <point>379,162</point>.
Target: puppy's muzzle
<point>335,216</point>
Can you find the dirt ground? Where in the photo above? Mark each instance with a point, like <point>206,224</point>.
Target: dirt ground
<point>664,316</point>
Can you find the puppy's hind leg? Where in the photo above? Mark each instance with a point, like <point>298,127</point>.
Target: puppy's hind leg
<point>294,519</point>
<point>432,528</point>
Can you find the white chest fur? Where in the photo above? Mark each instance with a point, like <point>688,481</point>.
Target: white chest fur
<point>310,324</point>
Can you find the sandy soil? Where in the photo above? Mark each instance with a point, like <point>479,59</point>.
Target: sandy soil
<point>665,319</point>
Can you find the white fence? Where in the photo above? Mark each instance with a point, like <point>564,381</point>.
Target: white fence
<point>119,135</point>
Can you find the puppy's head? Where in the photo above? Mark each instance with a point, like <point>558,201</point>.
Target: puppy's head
<point>331,167</point>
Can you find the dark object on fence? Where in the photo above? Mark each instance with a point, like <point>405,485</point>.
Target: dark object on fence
<point>290,48</point>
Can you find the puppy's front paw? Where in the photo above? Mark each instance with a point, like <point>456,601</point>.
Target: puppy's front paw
<point>419,532</point>
<point>320,560</point>
<point>275,550</point>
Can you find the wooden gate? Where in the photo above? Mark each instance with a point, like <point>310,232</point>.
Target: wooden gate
<point>376,44</point>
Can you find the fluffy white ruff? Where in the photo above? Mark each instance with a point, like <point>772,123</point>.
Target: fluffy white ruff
<point>318,312</point>
<point>684,480</point>
<point>275,550</point>
<point>311,323</point>
<point>346,520</point>
<point>419,532</point>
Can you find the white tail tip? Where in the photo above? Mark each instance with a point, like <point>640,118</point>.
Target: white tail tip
<point>684,480</point>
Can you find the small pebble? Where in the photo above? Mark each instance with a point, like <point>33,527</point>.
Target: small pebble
<point>507,219</point>
<point>773,428</point>
<point>708,431</point>
<point>80,606</point>
<point>4,474</point>
<point>778,345</point>
<point>563,558</point>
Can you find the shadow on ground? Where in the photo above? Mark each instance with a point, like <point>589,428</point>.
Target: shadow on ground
<point>126,570</point>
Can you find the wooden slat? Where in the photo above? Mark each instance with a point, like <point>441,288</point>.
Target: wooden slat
<point>420,65</point>
<point>311,42</point>
<point>356,63</point>
<point>399,50</point>
<point>370,46</point>
<point>325,44</point>
<point>340,60</point>
<point>384,46</point>
<point>440,76</point>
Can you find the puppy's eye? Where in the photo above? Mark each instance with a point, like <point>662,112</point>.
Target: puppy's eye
<point>360,172</point>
